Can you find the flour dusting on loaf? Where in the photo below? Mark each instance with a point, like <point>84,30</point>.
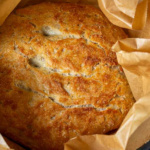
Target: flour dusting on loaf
<point>58,76</point>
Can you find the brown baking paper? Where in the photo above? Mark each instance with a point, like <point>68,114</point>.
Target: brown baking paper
<point>6,7</point>
<point>130,14</point>
<point>145,33</point>
<point>3,144</point>
<point>134,56</point>
<point>6,144</point>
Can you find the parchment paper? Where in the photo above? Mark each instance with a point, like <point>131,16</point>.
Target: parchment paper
<point>6,144</point>
<point>134,56</point>
<point>6,7</point>
<point>129,14</point>
<point>3,144</point>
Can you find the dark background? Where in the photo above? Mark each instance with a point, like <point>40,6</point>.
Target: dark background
<point>145,147</point>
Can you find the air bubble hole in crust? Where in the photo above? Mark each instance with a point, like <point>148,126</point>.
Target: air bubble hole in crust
<point>48,31</point>
<point>37,62</point>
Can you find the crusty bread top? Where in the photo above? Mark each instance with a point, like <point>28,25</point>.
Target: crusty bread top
<point>58,75</point>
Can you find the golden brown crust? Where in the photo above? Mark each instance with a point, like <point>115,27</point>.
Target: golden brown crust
<point>58,76</point>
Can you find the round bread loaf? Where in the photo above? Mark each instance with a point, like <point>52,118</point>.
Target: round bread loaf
<point>58,76</point>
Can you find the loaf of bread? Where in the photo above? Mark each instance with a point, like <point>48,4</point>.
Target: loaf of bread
<point>58,76</point>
